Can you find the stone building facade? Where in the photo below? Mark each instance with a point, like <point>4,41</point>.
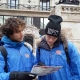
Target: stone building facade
<point>36,12</point>
<point>71,22</point>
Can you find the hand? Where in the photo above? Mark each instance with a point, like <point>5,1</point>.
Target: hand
<point>41,64</point>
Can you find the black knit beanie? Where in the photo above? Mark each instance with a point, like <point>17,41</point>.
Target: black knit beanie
<point>53,27</point>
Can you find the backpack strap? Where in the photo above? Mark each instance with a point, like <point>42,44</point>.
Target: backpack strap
<point>27,47</point>
<point>39,53</point>
<point>4,54</point>
<point>40,63</point>
<point>66,52</point>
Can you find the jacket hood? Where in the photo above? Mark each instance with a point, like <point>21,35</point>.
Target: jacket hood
<point>10,43</point>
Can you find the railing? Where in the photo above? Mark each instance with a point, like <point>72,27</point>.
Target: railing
<point>25,6</point>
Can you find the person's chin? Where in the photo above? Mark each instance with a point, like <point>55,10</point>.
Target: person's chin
<point>50,44</point>
<point>20,40</point>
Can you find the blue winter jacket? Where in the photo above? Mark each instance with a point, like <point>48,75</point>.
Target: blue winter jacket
<point>19,58</point>
<point>57,57</point>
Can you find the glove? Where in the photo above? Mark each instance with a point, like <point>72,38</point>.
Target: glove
<point>22,75</point>
<point>41,64</point>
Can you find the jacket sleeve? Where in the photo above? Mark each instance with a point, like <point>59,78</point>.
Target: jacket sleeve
<point>74,61</point>
<point>3,75</point>
<point>33,57</point>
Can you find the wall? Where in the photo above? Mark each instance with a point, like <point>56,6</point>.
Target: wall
<point>71,21</point>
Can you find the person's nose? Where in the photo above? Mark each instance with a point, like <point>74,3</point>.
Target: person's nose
<point>50,39</point>
<point>22,33</point>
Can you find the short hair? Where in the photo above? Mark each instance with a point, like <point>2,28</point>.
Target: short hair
<point>11,25</point>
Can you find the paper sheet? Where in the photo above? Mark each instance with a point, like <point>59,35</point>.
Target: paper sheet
<point>44,70</point>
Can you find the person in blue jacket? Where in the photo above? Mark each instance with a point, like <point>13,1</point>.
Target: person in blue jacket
<point>20,59</point>
<point>51,52</point>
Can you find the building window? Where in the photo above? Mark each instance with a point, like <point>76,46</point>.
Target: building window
<point>45,5</point>
<point>38,22</point>
<point>22,17</point>
<point>5,17</point>
<point>1,20</point>
<point>43,23</point>
<point>13,4</point>
<point>29,20</point>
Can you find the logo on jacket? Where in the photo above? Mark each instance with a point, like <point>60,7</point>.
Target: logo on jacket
<point>27,55</point>
<point>58,52</point>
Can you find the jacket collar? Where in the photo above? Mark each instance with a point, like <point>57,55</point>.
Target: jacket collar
<point>10,43</point>
<point>44,44</point>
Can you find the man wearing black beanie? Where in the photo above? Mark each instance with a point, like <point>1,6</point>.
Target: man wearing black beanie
<point>51,52</point>
<point>53,27</point>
